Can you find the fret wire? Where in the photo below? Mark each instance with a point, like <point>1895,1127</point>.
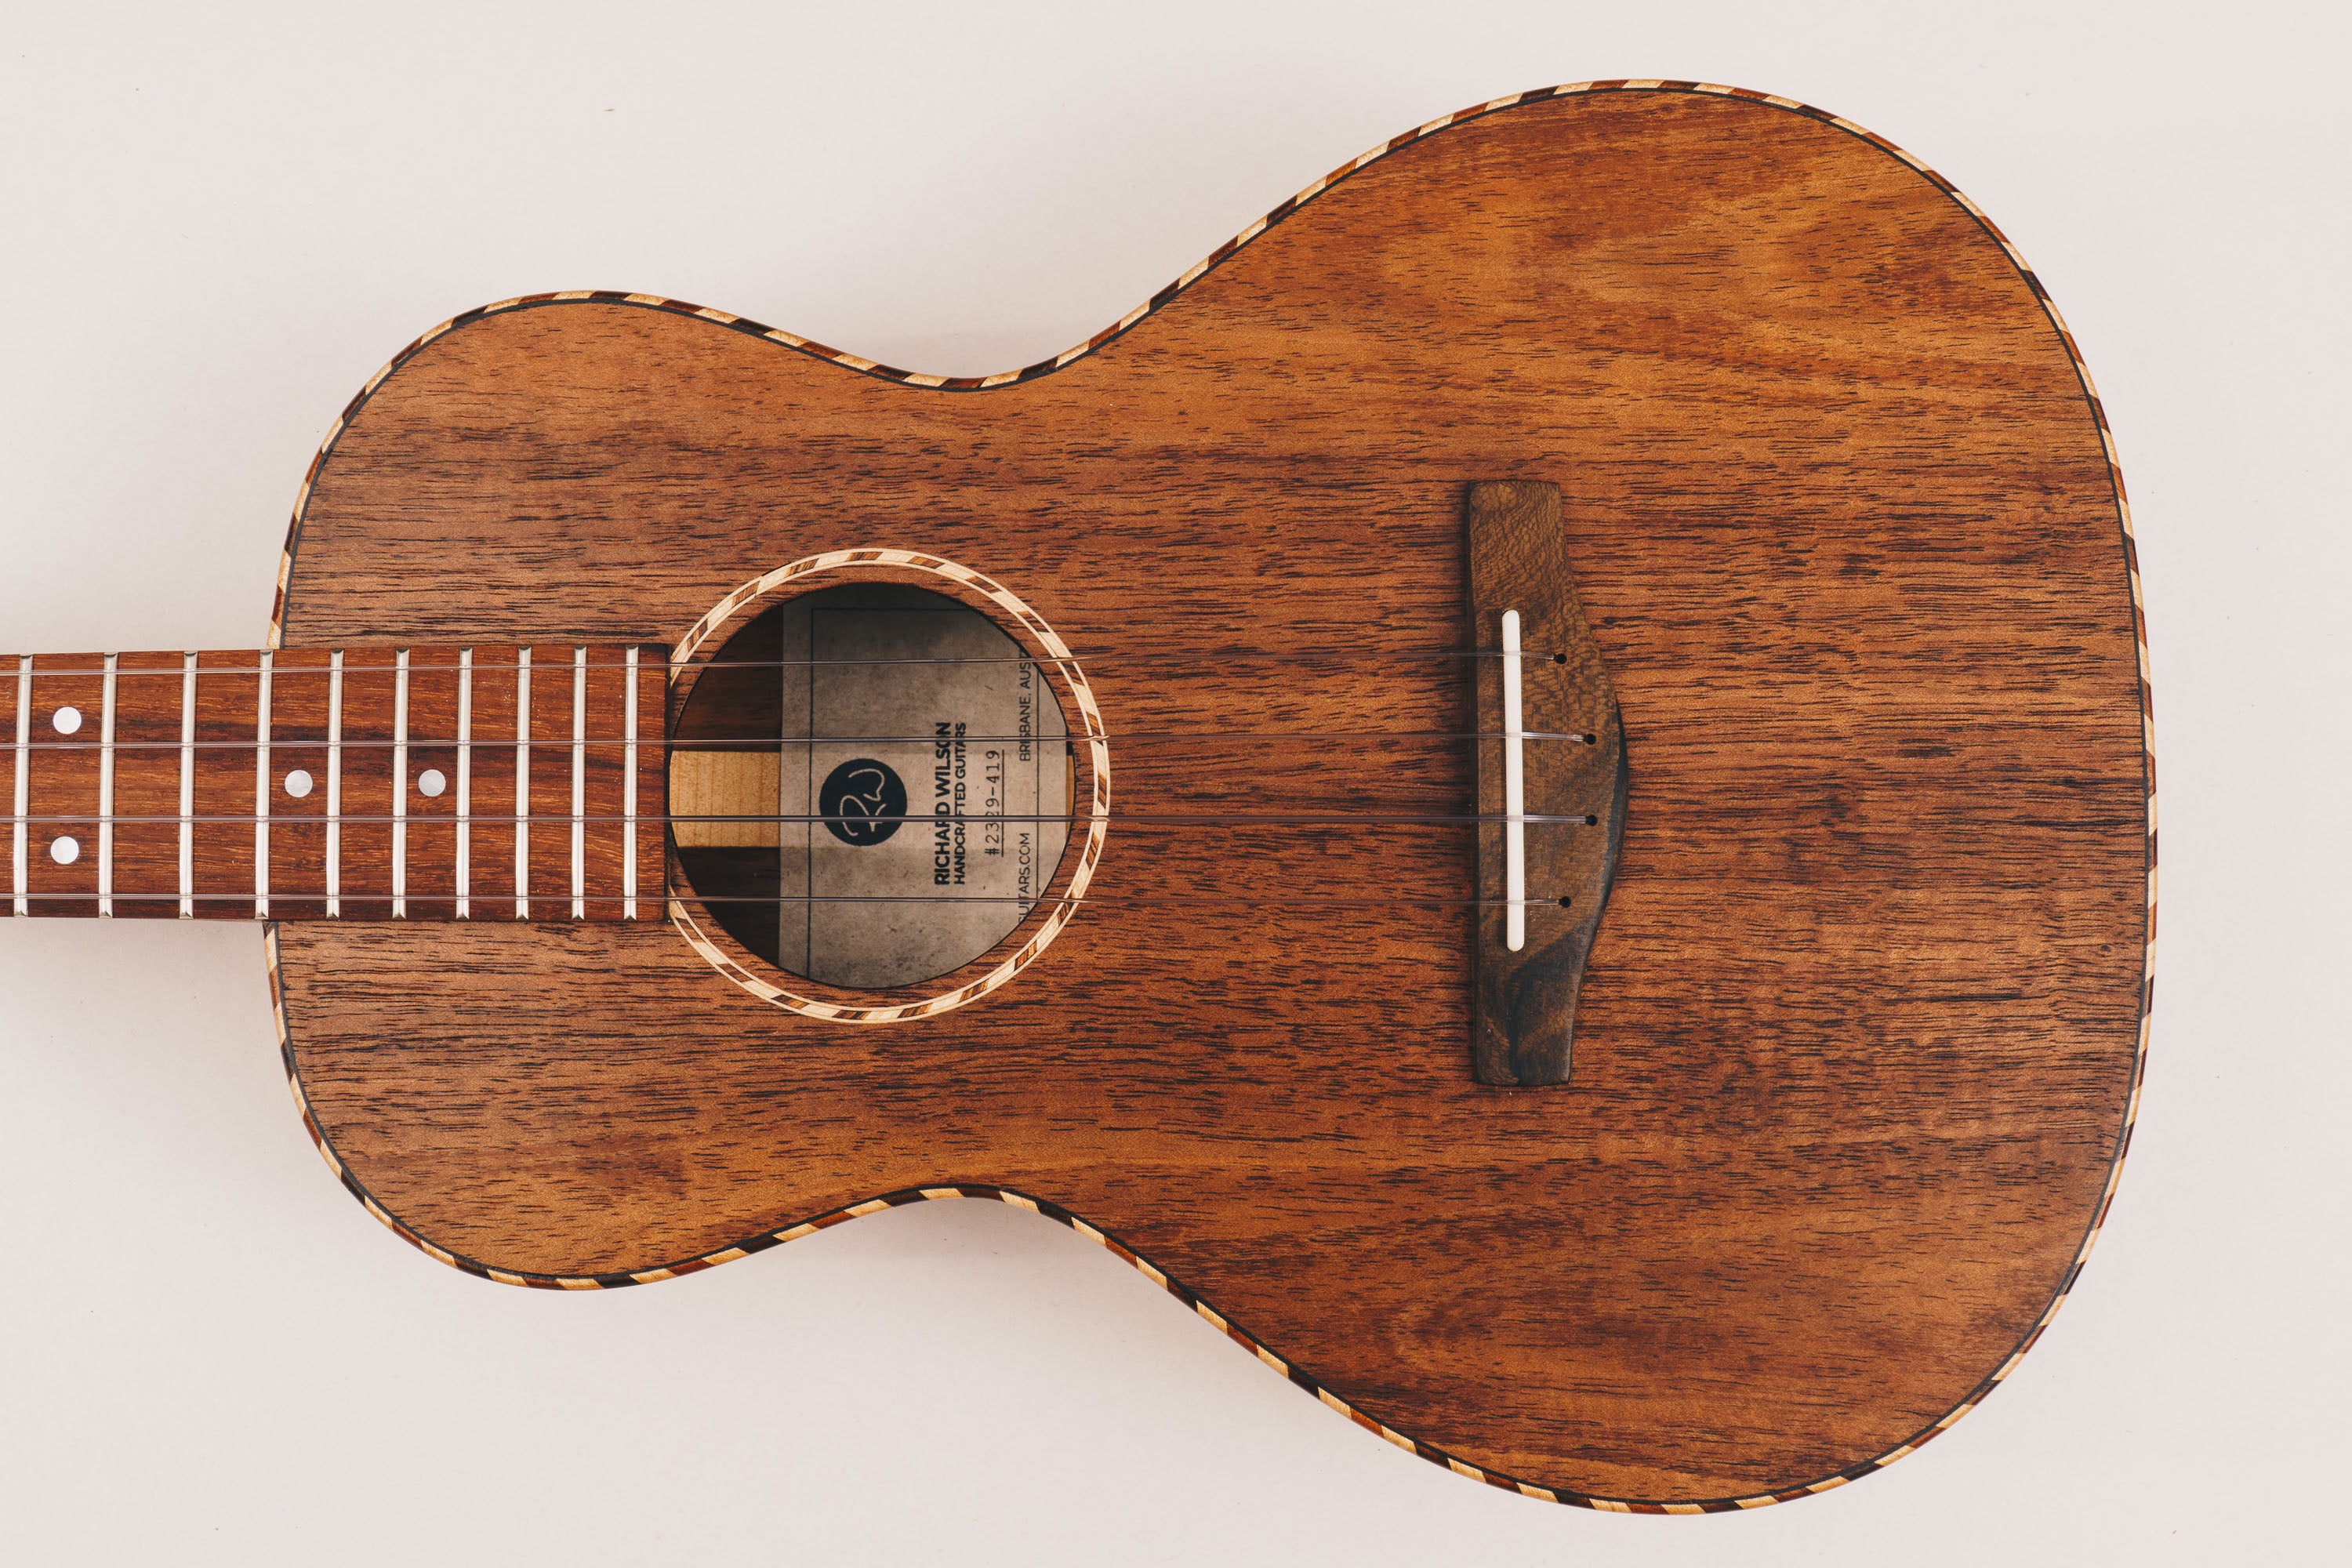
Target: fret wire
<point>1379,901</point>
<point>1241,819</point>
<point>334,784</point>
<point>578,781</point>
<point>522,785</point>
<point>629,797</point>
<point>187,785</point>
<point>23,780</point>
<point>106,793</point>
<point>464,783</point>
<point>1204,656</point>
<point>400,785</point>
<point>261,791</point>
<point>688,742</point>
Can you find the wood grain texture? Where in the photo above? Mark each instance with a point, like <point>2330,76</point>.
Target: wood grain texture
<point>1857,1044</point>
<point>1523,1017</point>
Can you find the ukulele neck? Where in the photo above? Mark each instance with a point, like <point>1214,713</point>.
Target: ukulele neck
<point>364,783</point>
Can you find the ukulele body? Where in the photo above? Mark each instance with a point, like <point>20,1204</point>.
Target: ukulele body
<point>1859,1035</point>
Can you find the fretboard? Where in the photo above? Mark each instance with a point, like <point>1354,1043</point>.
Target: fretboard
<point>364,783</point>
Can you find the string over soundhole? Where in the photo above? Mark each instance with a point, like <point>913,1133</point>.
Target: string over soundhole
<point>873,785</point>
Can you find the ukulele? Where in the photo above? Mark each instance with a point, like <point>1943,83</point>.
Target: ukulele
<point>1529,787</point>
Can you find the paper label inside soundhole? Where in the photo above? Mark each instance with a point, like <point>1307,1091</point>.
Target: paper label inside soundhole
<point>930,774</point>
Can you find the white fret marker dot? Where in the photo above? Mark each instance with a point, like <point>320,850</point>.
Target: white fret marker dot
<point>298,784</point>
<point>64,852</point>
<point>432,782</point>
<point>67,720</point>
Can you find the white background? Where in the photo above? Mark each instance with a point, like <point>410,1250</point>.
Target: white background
<point>216,223</point>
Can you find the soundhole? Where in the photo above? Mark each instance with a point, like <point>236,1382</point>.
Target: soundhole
<point>894,777</point>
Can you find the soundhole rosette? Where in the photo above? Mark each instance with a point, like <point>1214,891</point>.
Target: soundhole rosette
<point>903,886</point>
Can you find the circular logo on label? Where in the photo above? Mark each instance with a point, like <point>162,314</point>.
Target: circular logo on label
<point>863,802</point>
